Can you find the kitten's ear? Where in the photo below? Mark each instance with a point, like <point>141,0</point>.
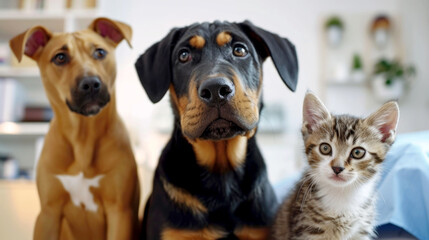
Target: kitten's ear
<point>385,120</point>
<point>313,112</point>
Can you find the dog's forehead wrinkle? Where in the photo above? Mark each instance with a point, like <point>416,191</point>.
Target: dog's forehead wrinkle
<point>64,48</point>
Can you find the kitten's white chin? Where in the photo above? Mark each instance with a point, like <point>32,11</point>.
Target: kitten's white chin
<point>340,181</point>
<point>339,197</point>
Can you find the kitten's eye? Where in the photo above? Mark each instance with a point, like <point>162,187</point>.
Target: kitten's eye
<point>99,53</point>
<point>184,56</point>
<point>60,59</point>
<point>325,149</point>
<point>239,50</point>
<point>357,153</point>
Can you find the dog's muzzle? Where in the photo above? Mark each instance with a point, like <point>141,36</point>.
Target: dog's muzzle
<point>216,93</point>
<point>89,96</point>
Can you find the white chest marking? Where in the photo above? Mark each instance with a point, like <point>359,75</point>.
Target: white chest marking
<point>78,188</point>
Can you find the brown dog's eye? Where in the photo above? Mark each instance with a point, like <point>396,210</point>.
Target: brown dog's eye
<point>239,50</point>
<point>60,59</point>
<point>184,56</point>
<point>357,153</point>
<point>325,149</point>
<point>99,53</point>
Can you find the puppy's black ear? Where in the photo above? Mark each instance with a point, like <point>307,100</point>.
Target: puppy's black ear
<point>282,52</point>
<point>154,66</point>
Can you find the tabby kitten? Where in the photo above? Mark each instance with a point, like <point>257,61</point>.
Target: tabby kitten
<point>335,198</point>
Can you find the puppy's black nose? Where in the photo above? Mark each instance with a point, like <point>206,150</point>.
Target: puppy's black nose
<point>337,170</point>
<point>89,85</point>
<point>216,91</point>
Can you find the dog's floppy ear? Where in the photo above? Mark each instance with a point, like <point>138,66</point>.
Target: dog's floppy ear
<point>154,66</point>
<point>30,42</point>
<point>114,30</point>
<point>281,50</point>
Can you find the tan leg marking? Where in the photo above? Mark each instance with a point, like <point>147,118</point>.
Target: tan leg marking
<point>183,234</point>
<point>252,233</point>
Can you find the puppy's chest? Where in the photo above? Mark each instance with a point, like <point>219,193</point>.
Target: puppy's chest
<point>81,189</point>
<point>224,191</point>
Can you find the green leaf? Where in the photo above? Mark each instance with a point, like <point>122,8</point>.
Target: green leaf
<point>388,81</point>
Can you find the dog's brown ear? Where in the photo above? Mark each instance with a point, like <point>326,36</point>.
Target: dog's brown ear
<point>113,30</point>
<point>154,66</point>
<point>281,50</point>
<point>30,42</point>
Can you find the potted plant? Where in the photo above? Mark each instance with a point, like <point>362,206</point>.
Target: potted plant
<point>334,27</point>
<point>357,74</point>
<point>380,29</point>
<point>390,78</point>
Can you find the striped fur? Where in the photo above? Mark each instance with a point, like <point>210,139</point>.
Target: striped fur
<point>326,205</point>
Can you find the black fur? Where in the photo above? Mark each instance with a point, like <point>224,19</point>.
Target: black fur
<point>236,198</point>
<point>226,195</point>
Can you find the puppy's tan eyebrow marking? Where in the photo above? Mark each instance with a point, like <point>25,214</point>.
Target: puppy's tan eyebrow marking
<point>197,42</point>
<point>223,38</point>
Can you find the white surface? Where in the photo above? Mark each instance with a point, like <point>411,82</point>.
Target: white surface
<point>27,129</point>
<point>31,72</point>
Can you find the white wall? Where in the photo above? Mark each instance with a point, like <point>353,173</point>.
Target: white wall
<point>415,27</point>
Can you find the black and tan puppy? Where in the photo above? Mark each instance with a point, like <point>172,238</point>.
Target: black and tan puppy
<point>211,181</point>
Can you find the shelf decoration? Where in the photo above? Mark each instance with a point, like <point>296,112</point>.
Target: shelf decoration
<point>334,30</point>
<point>357,74</point>
<point>380,30</point>
<point>390,78</point>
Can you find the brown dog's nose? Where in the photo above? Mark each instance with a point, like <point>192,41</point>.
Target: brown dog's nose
<point>216,91</point>
<point>337,170</point>
<point>89,85</point>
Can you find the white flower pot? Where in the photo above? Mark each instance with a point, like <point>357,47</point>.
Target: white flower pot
<point>357,76</point>
<point>381,37</point>
<point>334,35</point>
<point>385,92</point>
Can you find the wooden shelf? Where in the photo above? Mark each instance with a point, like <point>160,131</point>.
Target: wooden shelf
<point>45,14</point>
<point>23,129</point>
<point>345,82</point>
<point>16,72</point>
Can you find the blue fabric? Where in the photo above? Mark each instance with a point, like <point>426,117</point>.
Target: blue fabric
<point>404,186</point>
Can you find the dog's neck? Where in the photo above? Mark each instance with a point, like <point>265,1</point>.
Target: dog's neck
<point>84,131</point>
<point>219,155</point>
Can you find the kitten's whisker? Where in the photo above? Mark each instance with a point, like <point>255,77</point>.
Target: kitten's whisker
<point>304,180</point>
<point>308,192</point>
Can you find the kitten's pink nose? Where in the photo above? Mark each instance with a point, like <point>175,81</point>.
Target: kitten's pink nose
<point>337,170</point>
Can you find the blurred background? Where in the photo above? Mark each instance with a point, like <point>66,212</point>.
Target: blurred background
<point>355,55</point>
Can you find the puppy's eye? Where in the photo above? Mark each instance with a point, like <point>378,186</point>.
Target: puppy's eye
<point>184,55</point>
<point>239,50</point>
<point>357,153</point>
<point>60,59</point>
<point>325,149</point>
<point>99,53</point>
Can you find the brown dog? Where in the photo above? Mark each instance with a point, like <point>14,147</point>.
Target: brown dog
<point>86,176</point>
